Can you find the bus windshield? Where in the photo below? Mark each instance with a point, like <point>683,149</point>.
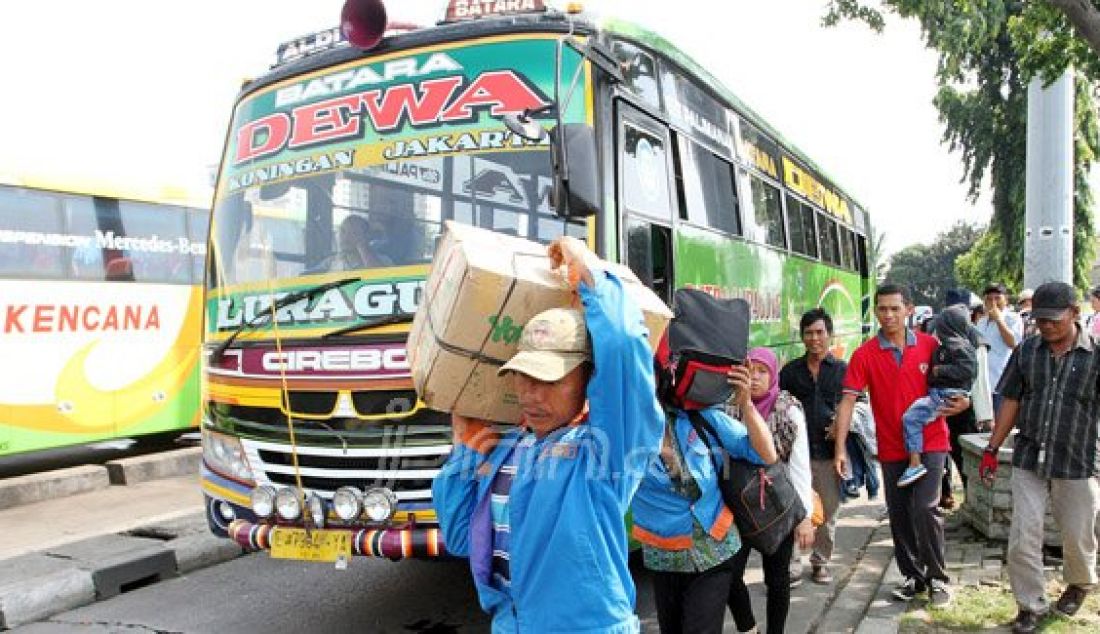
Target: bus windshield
<point>357,167</point>
<point>382,216</point>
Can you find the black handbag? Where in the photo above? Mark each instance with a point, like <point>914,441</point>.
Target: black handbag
<point>763,500</point>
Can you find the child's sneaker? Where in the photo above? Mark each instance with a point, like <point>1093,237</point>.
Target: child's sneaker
<point>911,475</point>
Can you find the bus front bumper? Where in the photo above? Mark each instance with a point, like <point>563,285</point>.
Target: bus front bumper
<point>391,543</point>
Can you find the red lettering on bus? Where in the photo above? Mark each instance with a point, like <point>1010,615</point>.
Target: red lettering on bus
<point>88,324</point>
<point>153,322</point>
<point>68,316</point>
<point>386,113</point>
<point>111,322</point>
<point>43,318</point>
<point>252,142</point>
<point>12,320</point>
<point>325,121</point>
<point>502,89</point>
<point>420,104</point>
<point>132,318</point>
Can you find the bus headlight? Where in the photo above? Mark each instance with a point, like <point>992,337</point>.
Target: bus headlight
<point>263,501</point>
<point>380,504</point>
<point>348,503</point>
<point>288,504</point>
<point>225,455</point>
<point>316,507</point>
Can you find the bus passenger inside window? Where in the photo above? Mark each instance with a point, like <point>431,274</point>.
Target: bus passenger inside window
<point>356,247</point>
<point>120,269</point>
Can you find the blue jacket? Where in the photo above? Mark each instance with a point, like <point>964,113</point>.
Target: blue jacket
<point>662,517</point>
<point>568,556</point>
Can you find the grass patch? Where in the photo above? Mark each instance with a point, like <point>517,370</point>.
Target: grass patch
<point>975,609</point>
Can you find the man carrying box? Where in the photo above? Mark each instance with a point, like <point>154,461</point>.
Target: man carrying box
<point>539,509</point>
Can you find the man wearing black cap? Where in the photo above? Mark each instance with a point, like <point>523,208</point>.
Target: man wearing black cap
<point>1003,329</point>
<point>1050,387</point>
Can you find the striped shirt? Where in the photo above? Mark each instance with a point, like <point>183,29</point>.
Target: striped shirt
<point>499,497</point>
<point>1059,407</point>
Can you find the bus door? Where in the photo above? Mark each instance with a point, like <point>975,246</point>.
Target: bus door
<point>646,198</point>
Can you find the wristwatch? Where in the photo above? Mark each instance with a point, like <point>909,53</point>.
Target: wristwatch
<point>992,449</point>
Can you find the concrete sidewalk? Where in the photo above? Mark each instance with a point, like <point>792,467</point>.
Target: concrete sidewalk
<point>863,550</point>
<point>62,553</point>
<point>71,548</point>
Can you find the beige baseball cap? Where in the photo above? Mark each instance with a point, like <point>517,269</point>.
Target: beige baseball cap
<point>553,343</point>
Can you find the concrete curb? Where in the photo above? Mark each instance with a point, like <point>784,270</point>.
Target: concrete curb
<point>49,485</point>
<point>167,464</point>
<point>855,593</point>
<point>36,586</point>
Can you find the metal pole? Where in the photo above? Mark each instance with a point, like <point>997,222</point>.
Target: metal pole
<point>1048,237</point>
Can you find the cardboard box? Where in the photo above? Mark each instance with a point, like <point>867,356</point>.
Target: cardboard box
<point>482,289</point>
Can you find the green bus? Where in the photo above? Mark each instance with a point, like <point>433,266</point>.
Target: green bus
<point>340,166</point>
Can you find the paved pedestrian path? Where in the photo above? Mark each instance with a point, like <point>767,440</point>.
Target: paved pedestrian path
<point>863,550</point>
<point>979,578</point>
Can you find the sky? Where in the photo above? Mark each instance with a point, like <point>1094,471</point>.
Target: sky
<point>140,91</point>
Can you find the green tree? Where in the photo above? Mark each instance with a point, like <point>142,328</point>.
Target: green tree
<point>929,270</point>
<point>988,52</point>
<point>879,262</point>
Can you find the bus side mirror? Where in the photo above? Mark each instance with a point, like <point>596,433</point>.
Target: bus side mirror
<point>576,192</point>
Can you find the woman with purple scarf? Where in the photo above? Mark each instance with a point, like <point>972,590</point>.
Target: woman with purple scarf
<point>787,423</point>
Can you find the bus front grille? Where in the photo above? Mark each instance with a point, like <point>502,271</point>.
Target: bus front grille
<point>406,470</point>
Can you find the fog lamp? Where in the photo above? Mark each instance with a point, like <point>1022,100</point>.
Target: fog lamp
<point>263,501</point>
<point>316,507</point>
<point>226,511</point>
<point>379,504</point>
<point>348,503</point>
<point>288,504</point>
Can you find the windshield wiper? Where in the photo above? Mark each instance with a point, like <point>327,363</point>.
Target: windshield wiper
<point>388,320</point>
<point>296,296</point>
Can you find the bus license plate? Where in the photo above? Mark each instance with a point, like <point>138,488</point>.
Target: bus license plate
<point>319,545</point>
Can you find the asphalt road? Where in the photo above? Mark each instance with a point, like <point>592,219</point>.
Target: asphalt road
<point>258,594</point>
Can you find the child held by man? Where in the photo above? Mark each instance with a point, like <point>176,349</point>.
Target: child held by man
<point>954,367</point>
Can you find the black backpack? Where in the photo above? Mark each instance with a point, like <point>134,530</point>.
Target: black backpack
<point>707,336</point>
<point>763,500</point>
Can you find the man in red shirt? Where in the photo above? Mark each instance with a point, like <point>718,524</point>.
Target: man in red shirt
<point>894,368</point>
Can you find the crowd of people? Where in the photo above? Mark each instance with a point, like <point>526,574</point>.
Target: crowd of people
<point>538,508</point>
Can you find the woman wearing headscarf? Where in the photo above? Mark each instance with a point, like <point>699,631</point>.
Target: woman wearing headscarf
<point>688,535</point>
<point>787,424</point>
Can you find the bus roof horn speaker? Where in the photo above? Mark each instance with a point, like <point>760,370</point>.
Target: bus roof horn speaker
<point>363,22</point>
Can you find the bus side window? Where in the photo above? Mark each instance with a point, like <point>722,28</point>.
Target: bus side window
<point>640,71</point>
<point>34,216</point>
<point>709,196</point>
<point>863,266</point>
<point>155,255</point>
<point>763,212</point>
<point>645,174</point>
<point>800,219</point>
<point>198,230</point>
<point>80,220</point>
<point>830,242</point>
<point>649,255</point>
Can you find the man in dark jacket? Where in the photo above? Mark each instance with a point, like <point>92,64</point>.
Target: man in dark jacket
<point>815,379</point>
<point>954,366</point>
